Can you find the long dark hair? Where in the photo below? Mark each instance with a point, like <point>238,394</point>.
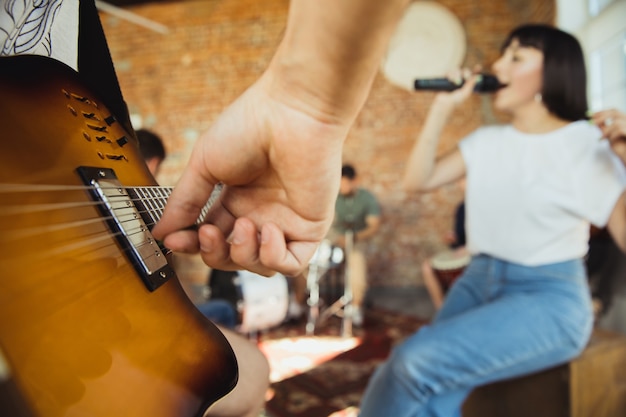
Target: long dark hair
<point>564,90</point>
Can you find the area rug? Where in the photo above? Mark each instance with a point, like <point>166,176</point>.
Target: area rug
<point>325,375</point>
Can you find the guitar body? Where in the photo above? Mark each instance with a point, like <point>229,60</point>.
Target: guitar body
<point>82,333</point>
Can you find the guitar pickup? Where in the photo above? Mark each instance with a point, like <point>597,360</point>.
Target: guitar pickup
<point>126,223</point>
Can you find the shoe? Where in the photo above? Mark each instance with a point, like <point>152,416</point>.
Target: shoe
<point>357,316</point>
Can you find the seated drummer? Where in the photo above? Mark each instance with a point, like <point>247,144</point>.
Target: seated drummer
<point>456,242</point>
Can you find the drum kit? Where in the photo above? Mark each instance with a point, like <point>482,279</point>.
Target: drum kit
<point>262,303</point>
<point>327,257</point>
<point>449,265</point>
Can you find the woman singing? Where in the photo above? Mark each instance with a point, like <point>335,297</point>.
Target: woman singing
<point>533,187</point>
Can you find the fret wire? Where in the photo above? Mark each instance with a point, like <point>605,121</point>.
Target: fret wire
<point>149,202</point>
<point>50,228</point>
<point>142,198</point>
<point>155,195</point>
<point>150,192</point>
<point>165,193</point>
<point>154,199</point>
<point>159,202</point>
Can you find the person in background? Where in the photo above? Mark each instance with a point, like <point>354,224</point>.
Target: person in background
<point>606,266</point>
<point>219,312</point>
<point>457,250</point>
<point>456,254</point>
<point>533,188</point>
<point>357,211</point>
<point>152,149</point>
<point>605,262</point>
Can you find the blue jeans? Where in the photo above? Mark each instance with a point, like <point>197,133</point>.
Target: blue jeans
<point>220,312</point>
<point>499,320</point>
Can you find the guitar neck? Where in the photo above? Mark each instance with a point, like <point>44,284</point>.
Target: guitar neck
<point>152,200</point>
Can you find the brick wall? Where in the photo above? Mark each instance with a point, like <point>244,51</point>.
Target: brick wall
<point>179,82</point>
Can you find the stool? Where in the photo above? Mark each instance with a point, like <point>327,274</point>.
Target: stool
<point>592,385</point>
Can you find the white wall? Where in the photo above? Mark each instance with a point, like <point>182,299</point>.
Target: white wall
<point>571,14</point>
<point>603,40</point>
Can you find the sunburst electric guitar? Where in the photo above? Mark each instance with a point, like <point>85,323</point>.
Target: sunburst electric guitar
<point>93,320</point>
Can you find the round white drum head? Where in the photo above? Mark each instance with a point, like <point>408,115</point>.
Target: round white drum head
<point>429,42</point>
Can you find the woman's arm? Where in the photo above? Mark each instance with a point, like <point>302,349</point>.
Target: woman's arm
<point>423,172</point>
<point>613,125</point>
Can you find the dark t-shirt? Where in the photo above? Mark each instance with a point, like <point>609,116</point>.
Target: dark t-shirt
<point>351,211</point>
<point>459,226</point>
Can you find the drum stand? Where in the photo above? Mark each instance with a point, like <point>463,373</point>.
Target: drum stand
<point>312,284</point>
<point>316,271</point>
<point>345,301</point>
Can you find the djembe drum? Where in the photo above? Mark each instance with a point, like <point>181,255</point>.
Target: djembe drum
<point>449,265</point>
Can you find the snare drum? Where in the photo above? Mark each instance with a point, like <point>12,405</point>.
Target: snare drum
<point>449,265</point>
<point>261,302</point>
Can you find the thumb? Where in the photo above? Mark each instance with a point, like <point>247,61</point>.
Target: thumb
<point>186,201</point>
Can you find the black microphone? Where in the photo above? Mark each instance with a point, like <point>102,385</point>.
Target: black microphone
<point>486,84</point>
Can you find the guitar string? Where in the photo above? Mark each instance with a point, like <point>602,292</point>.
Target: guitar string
<point>35,208</point>
<point>35,231</point>
<point>88,244</point>
<point>81,241</point>
<point>25,233</point>
<point>157,200</point>
<point>12,188</point>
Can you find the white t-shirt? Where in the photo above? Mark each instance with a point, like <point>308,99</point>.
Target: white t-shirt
<point>530,197</point>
